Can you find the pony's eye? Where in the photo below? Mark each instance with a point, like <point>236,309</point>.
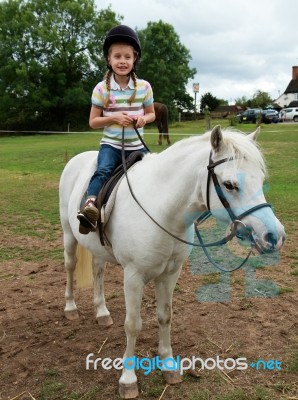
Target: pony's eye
<point>230,185</point>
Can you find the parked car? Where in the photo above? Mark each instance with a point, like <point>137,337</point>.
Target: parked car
<point>269,116</point>
<point>250,115</point>
<point>289,114</point>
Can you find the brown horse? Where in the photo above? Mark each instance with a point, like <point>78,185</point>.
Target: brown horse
<point>161,120</point>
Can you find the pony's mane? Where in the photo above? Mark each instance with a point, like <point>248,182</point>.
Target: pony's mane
<point>239,147</point>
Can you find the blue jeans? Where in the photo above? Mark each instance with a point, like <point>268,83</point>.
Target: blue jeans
<point>109,158</point>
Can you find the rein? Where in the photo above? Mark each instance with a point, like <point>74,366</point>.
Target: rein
<point>203,217</point>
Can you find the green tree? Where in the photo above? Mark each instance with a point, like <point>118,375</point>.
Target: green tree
<point>50,59</point>
<point>261,99</point>
<point>242,101</point>
<point>165,64</point>
<point>209,100</point>
<point>223,102</point>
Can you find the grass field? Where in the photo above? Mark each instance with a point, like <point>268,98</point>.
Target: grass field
<point>30,167</point>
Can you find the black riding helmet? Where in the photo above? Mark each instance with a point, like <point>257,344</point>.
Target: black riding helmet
<point>122,33</point>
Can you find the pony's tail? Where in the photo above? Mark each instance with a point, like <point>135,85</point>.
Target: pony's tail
<point>84,272</point>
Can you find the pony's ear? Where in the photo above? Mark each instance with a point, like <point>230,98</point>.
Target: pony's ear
<point>216,138</point>
<point>253,136</point>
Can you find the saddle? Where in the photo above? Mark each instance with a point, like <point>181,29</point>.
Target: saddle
<point>105,201</point>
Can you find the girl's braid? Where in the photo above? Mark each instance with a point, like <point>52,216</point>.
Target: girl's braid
<point>108,84</point>
<point>133,96</point>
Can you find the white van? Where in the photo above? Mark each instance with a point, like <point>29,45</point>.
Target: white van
<point>289,114</point>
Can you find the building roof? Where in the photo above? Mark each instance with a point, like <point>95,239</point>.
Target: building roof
<point>232,108</point>
<point>292,86</point>
<point>293,104</point>
<point>276,107</point>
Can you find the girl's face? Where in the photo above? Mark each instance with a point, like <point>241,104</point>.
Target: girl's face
<point>121,58</point>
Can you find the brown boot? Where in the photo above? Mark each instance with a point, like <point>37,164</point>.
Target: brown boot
<point>88,217</point>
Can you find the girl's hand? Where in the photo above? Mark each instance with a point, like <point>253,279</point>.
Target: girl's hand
<point>140,122</point>
<point>123,119</point>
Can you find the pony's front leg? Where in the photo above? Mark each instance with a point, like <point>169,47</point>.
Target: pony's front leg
<point>164,287</point>
<point>70,245</point>
<point>103,316</point>
<point>133,291</point>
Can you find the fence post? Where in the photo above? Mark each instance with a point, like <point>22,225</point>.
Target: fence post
<point>207,118</point>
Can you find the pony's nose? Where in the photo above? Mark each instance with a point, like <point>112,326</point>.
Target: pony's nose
<point>271,239</point>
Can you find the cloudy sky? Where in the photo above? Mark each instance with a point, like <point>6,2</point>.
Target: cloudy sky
<point>237,46</point>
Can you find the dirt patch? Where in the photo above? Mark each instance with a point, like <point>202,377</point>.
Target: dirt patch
<point>43,354</point>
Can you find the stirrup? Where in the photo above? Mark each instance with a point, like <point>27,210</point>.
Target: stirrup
<point>86,223</point>
<point>88,218</point>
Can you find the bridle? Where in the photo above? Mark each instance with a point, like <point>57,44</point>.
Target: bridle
<point>236,220</point>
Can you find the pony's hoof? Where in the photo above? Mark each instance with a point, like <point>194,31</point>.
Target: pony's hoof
<point>128,391</point>
<point>105,320</point>
<point>172,377</point>
<point>72,315</point>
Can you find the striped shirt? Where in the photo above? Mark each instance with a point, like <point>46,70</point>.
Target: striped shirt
<point>112,134</point>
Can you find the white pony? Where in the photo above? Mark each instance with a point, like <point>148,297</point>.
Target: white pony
<point>170,186</point>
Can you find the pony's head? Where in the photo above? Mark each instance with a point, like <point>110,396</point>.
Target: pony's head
<point>235,189</point>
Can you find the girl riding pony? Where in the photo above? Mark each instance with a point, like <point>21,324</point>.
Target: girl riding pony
<point>120,101</point>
